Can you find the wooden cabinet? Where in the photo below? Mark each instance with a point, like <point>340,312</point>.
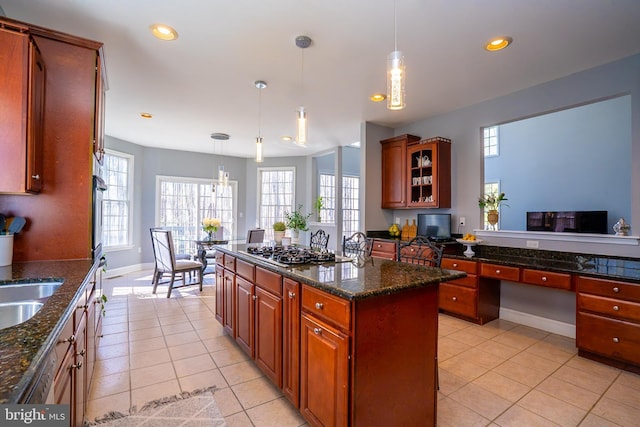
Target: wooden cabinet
<point>608,321</point>
<point>268,338</point>
<point>229,285</point>
<point>394,171</point>
<point>291,341</point>
<point>22,90</point>
<point>99,111</point>
<point>471,297</point>
<point>219,293</point>
<point>244,315</point>
<point>384,249</point>
<point>546,278</point>
<point>429,174</point>
<point>500,272</point>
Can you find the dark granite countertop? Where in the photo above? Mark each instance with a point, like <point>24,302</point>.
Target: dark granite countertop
<point>24,347</point>
<point>606,267</point>
<point>354,280</point>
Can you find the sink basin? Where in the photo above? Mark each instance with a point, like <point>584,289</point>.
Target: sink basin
<point>13,313</point>
<point>27,291</point>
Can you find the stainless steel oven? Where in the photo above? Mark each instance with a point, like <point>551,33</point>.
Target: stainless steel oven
<point>99,187</point>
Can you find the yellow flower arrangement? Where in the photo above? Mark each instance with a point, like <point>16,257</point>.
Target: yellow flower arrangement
<point>210,225</point>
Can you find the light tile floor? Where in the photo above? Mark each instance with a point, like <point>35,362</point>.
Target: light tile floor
<point>499,374</point>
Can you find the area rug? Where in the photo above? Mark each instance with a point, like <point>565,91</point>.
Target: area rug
<point>194,409</point>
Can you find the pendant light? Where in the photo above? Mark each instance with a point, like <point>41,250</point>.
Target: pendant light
<point>302,42</point>
<point>260,84</point>
<point>395,71</point>
<point>223,175</point>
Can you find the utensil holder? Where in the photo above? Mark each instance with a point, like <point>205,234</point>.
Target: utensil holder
<point>6,249</point>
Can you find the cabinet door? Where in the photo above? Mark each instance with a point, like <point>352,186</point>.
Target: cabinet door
<point>291,342</point>
<point>35,131</point>
<point>268,343</point>
<point>228,294</point>
<point>98,125</point>
<point>429,175</point>
<point>393,172</point>
<point>324,373</point>
<point>219,293</point>
<point>244,313</point>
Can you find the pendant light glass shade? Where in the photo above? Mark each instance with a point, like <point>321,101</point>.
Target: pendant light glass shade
<point>395,81</point>
<point>259,155</point>
<point>301,133</point>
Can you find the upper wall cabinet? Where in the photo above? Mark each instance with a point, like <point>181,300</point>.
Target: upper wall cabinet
<point>394,170</point>
<point>22,90</point>
<point>98,125</point>
<point>416,173</point>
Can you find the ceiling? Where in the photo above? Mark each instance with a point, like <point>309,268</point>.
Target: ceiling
<point>203,82</point>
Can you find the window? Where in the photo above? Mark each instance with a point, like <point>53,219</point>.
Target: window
<point>182,203</point>
<point>276,191</point>
<point>116,202</point>
<point>350,205</point>
<point>489,188</point>
<point>490,137</point>
<point>328,193</point>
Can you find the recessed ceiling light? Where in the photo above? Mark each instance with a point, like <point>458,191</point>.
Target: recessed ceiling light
<point>163,32</point>
<point>498,43</point>
<point>378,97</point>
<point>146,115</point>
<point>286,138</point>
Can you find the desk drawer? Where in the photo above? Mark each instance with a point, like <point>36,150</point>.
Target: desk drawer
<point>546,278</point>
<point>609,306</point>
<point>608,288</point>
<point>460,265</point>
<point>614,338</point>
<point>268,280</point>
<point>246,270</point>
<point>458,299</point>
<point>327,307</point>
<point>501,272</point>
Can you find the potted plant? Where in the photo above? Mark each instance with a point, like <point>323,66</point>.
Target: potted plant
<point>296,222</point>
<point>491,202</point>
<point>319,205</point>
<point>279,228</point>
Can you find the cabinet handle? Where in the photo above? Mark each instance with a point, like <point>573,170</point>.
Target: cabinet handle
<point>497,271</point>
<point>379,246</point>
<point>292,295</point>
<point>544,278</point>
<point>317,331</point>
<point>455,264</point>
<point>77,365</point>
<point>455,298</point>
<point>71,339</point>
<point>36,176</point>
<point>82,352</point>
<point>84,306</point>
<point>319,305</point>
<point>616,308</point>
<point>255,297</point>
<point>616,339</point>
<point>616,289</point>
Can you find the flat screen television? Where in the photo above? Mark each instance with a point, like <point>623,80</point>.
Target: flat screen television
<point>435,226</point>
<point>568,221</point>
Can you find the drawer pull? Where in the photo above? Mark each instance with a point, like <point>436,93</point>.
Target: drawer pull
<point>379,246</point>
<point>255,297</point>
<point>455,298</point>
<point>35,176</point>
<point>544,278</point>
<point>616,308</point>
<point>616,289</point>
<point>77,365</point>
<point>455,264</point>
<point>71,339</point>
<point>319,306</point>
<point>81,353</point>
<point>292,295</point>
<point>317,331</point>
<point>497,271</point>
<point>616,339</point>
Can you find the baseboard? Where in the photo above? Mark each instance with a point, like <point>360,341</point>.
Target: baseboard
<point>549,325</point>
<point>114,272</point>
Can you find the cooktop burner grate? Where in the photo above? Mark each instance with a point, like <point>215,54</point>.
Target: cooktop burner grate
<point>291,255</point>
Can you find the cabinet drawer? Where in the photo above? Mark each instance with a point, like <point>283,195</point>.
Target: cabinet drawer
<point>460,265</point>
<point>269,281</point>
<point>471,281</point>
<point>246,270</point>
<point>327,307</point>
<point>609,306</point>
<point>608,288</point>
<point>220,258</point>
<point>230,262</point>
<point>500,272</point>
<point>608,337</point>
<point>546,278</point>
<point>65,341</point>
<point>383,249</point>
<point>458,299</point>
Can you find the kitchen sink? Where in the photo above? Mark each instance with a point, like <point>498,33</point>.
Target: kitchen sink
<point>19,302</point>
<point>13,313</point>
<point>27,291</point>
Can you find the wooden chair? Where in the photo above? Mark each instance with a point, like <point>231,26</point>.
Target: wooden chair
<point>166,262</point>
<point>420,250</point>
<point>357,244</point>
<point>319,241</point>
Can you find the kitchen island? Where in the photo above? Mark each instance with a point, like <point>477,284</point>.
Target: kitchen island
<point>349,343</point>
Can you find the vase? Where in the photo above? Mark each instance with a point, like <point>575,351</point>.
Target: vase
<point>277,237</point>
<point>210,236</point>
<point>492,218</point>
<point>295,237</point>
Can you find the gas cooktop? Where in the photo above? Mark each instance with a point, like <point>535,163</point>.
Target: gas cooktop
<point>290,255</point>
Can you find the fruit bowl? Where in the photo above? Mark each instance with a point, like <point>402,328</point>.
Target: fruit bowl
<point>469,243</point>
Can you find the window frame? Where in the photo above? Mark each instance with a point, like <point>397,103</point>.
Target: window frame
<point>269,227</point>
<point>491,141</point>
<point>130,200</point>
